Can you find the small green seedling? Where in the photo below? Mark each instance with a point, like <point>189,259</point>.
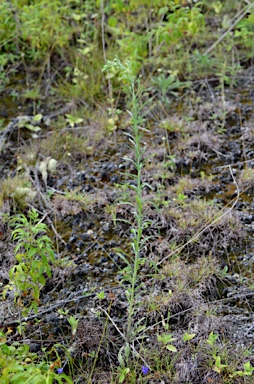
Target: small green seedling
<point>74,324</point>
<point>212,338</point>
<point>101,295</point>
<point>73,120</point>
<point>248,370</point>
<point>218,367</point>
<point>123,372</point>
<point>188,336</point>
<point>167,338</point>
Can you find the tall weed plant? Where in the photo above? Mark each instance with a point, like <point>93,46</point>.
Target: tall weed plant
<point>133,263</point>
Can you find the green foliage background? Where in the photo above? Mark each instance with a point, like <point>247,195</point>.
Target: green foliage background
<point>72,39</point>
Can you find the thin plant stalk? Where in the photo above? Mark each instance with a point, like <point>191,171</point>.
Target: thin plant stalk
<point>134,92</point>
<point>137,232</point>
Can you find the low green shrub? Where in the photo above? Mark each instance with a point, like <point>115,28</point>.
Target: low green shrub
<point>34,254</point>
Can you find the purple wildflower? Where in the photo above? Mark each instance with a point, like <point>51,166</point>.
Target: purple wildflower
<point>59,371</point>
<point>145,370</point>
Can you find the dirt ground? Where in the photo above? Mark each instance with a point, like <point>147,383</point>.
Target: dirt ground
<point>198,274</point>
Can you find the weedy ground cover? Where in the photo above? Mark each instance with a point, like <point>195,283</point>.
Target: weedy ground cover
<point>61,47</point>
<point>125,193</point>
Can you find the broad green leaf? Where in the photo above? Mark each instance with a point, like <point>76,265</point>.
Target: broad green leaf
<point>171,348</point>
<point>31,252</point>
<point>248,368</point>
<point>33,128</point>
<point>112,21</point>
<point>37,117</point>
<point>101,295</point>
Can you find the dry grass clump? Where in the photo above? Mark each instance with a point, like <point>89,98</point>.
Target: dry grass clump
<point>193,225</point>
<point>91,333</point>
<point>17,191</point>
<point>246,178</point>
<point>192,186</point>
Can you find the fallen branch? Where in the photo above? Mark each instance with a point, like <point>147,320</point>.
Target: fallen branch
<point>61,303</point>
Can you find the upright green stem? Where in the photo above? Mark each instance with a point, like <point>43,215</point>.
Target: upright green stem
<point>136,141</point>
<point>137,230</point>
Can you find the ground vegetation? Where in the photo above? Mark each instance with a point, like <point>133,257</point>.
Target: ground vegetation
<point>126,191</point>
